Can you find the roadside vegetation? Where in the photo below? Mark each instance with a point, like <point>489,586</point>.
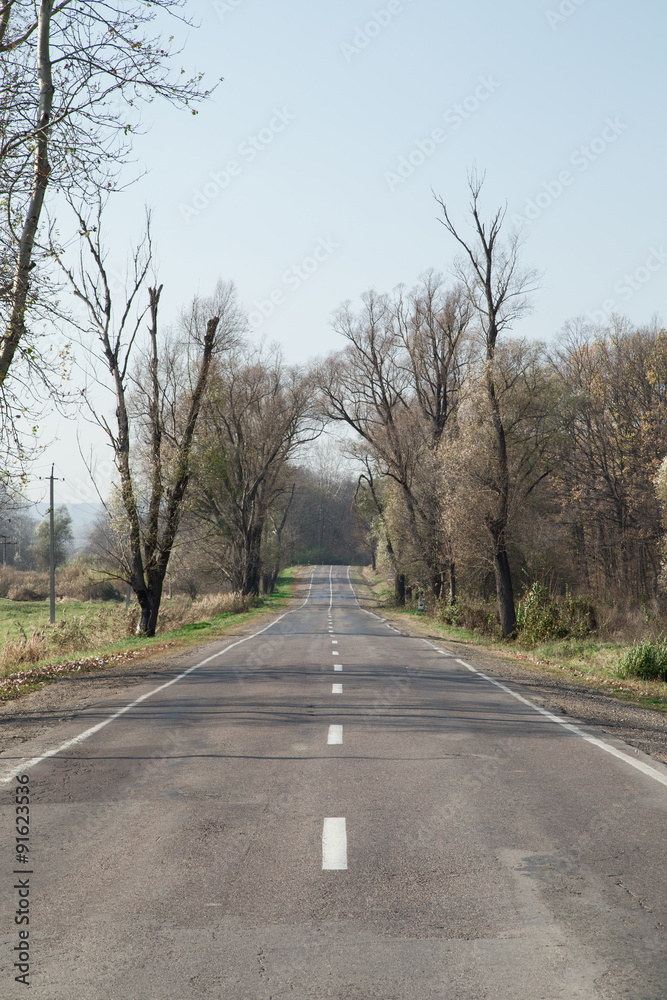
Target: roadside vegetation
<point>624,655</point>
<point>90,636</point>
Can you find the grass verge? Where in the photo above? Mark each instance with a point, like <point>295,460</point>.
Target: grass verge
<point>592,661</point>
<point>93,653</point>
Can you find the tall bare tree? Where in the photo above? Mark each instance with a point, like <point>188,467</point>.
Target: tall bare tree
<point>497,288</point>
<point>163,393</point>
<point>72,76</point>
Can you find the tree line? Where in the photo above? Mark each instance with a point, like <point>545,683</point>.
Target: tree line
<point>481,462</point>
<point>491,463</point>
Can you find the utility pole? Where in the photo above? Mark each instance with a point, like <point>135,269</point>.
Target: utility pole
<point>52,556</point>
<point>52,550</point>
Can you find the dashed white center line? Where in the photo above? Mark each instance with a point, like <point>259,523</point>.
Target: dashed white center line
<point>334,642</point>
<point>334,652</point>
<point>336,688</point>
<point>338,666</point>
<point>334,845</point>
<point>335,735</point>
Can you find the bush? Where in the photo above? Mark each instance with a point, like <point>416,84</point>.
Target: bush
<point>646,659</point>
<point>26,594</point>
<point>541,616</point>
<point>80,581</point>
<point>476,617</point>
<point>13,580</point>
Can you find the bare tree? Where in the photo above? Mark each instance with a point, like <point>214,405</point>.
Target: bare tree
<point>72,76</point>
<point>497,288</point>
<point>258,412</point>
<point>166,398</point>
<point>396,384</point>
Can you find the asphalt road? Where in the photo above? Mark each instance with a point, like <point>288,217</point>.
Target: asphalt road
<point>329,809</point>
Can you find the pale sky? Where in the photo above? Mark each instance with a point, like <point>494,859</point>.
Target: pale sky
<point>308,177</point>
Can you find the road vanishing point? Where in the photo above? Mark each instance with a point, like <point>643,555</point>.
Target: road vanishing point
<point>327,808</point>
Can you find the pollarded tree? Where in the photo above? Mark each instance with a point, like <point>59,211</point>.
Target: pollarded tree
<point>497,288</point>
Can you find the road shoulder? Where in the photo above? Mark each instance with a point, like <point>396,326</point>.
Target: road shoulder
<point>633,724</point>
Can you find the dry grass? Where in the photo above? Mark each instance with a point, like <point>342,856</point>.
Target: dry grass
<point>100,626</point>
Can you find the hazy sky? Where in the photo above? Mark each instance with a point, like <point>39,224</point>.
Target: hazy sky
<point>308,177</point>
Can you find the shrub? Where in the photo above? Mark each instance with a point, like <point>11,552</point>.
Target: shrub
<point>26,594</point>
<point>476,617</point>
<point>647,659</point>
<point>13,580</point>
<point>541,616</point>
<point>80,581</point>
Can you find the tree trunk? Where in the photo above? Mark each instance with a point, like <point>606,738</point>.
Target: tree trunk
<point>21,282</point>
<point>452,583</point>
<point>252,562</point>
<point>399,588</point>
<point>504,590</point>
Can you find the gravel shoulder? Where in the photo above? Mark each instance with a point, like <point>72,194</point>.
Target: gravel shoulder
<point>637,726</point>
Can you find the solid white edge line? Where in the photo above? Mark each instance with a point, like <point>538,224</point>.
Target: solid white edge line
<point>334,844</point>
<point>646,769</point>
<point>335,737</point>
<point>639,765</point>
<point>32,762</point>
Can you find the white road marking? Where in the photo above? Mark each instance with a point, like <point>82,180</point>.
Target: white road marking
<point>338,666</point>
<point>334,642</point>
<point>335,735</point>
<point>600,744</point>
<point>336,688</point>
<point>646,769</point>
<point>76,740</point>
<point>334,652</point>
<point>334,845</point>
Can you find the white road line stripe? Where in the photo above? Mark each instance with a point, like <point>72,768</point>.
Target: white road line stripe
<point>336,688</point>
<point>600,744</point>
<point>76,740</point>
<point>639,765</point>
<point>334,652</point>
<point>335,735</point>
<point>338,666</point>
<point>334,845</point>
<point>334,642</point>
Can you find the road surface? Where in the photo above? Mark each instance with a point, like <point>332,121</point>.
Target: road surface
<point>329,809</point>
